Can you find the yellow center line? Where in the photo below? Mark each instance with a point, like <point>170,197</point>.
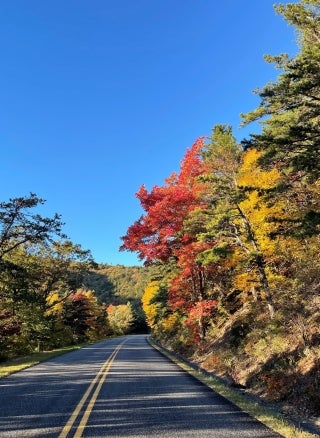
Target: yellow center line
<point>93,399</point>
<point>102,374</point>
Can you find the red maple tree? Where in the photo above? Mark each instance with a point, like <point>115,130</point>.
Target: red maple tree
<point>156,234</point>
<point>161,233</point>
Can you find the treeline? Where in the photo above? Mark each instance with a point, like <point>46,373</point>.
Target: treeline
<point>52,293</point>
<point>120,285</point>
<point>235,235</point>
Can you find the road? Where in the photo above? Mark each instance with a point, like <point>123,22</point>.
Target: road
<point>119,388</point>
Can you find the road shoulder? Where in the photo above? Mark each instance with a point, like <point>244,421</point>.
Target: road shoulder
<point>254,406</point>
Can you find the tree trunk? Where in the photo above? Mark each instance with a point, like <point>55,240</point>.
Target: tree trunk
<point>265,284</point>
<point>202,329</point>
<point>259,262</point>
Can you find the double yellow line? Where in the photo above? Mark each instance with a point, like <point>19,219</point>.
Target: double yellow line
<point>97,384</point>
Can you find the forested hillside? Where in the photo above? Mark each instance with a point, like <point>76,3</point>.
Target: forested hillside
<point>240,238</point>
<point>120,285</point>
<point>117,282</point>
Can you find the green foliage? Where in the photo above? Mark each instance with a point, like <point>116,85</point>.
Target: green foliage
<point>46,294</point>
<point>19,227</point>
<point>290,134</point>
<point>117,283</point>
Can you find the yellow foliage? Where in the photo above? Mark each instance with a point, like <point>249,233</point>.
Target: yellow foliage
<point>54,304</point>
<point>258,211</point>
<point>244,281</point>
<point>120,318</point>
<point>252,175</point>
<point>260,215</point>
<point>150,309</point>
<point>90,295</point>
<point>170,322</point>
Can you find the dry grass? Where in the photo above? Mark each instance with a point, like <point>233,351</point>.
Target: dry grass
<point>20,363</point>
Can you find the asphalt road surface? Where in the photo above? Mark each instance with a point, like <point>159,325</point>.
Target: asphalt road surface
<point>119,388</point>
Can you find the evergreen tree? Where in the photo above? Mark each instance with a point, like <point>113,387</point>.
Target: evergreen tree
<point>289,112</point>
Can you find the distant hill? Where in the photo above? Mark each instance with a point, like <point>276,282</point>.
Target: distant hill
<point>117,284</point>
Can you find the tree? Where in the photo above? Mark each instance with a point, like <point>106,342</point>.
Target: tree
<point>289,112</point>
<point>9,327</point>
<point>120,318</point>
<point>20,299</point>
<point>155,236</point>
<point>76,313</point>
<point>294,98</point>
<point>97,321</point>
<point>228,228</point>
<point>59,268</point>
<point>161,235</point>
<point>190,291</point>
<point>154,303</point>
<point>18,226</point>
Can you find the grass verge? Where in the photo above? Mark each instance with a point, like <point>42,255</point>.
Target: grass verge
<point>20,363</point>
<point>274,421</point>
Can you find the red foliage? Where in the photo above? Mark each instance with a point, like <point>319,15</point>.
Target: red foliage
<point>160,233</point>
<point>188,287</point>
<point>201,309</point>
<point>155,236</point>
<point>192,164</point>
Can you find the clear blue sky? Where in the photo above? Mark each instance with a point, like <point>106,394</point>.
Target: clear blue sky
<point>101,96</point>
